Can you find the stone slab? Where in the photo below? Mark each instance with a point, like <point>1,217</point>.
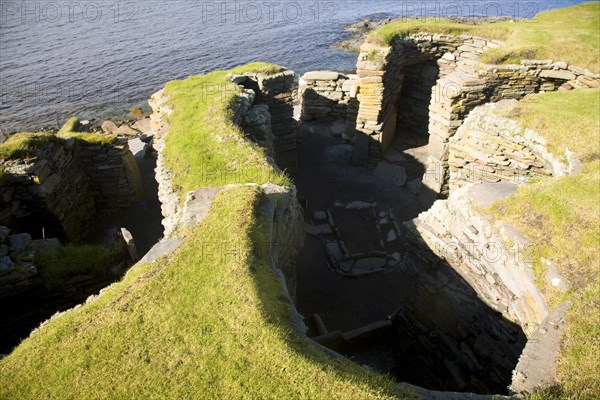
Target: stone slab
<point>161,249</point>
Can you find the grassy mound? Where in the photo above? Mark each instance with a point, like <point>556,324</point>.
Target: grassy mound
<point>560,216</point>
<point>202,324</point>
<point>25,144</point>
<point>566,34</point>
<point>204,148</point>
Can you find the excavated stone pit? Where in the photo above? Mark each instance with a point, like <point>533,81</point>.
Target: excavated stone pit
<point>438,301</point>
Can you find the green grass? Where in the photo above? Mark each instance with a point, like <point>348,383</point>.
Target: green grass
<point>567,120</point>
<point>69,130</point>
<point>70,126</point>
<point>56,265</point>
<point>560,217</point>
<point>208,322</point>
<point>203,147</point>
<point>23,145</point>
<point>567,34</point>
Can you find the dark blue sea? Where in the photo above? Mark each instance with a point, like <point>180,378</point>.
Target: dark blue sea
<point>97,59</point>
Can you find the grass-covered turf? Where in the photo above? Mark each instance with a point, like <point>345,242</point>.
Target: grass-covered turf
<point>561,217</point>
<point>25,144</point>
<point>58,264</point>
<point>203,147</point>
<point>566,34</point>
<point>208,322</point>
<point>69,130</point>
<point>566,119</point>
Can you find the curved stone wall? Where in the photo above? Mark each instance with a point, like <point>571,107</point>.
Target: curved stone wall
<point>491,148</point>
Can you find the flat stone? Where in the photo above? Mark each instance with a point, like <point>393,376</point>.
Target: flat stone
<point>395,174</point>
<point>320,215</point>
<point>161,249</point>
<point>485,194</point>
<point>560,74</point>
<point>370,263</point>
<point>321,76</point>
<point>359,205</point>
<point>19,242</point>
<point>109,126</point>
<point>126,130</point>
<point>334,249</point>
<point>130,243</point>
<point>143,125</point>
<point>197,204</point>
<point>311,229</point>
<point>6,265</point>
<point>136,146</point>
<point>392,236</point>
<point>325,228</point>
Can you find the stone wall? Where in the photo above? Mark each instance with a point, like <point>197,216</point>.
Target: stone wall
<point>276,92</point>
<point>464,83</point>
<point>325,95</point>
<point>491,148</point>
<point>49,195</point>
<point>491,258</point>
<point>57,193</point>
<point>114,176</point>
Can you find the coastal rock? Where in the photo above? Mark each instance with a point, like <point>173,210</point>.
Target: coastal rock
<point>109,127</point>
<point>126,130</point>
<point>143,125</point>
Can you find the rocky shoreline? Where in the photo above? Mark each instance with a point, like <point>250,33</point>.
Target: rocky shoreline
<point>359,30</point>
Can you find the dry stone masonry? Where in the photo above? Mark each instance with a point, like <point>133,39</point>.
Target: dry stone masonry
<point>501,274</point>
<point>395,82</point>
<point>491,148</point>
<point>58,192</point>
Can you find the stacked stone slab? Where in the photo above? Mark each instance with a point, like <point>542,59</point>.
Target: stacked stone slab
<point>491,148</point>
<point>276,91</point>
<point>65,184</point>
<point>113,174</point>
<point>51,189</point>
<point>453,230</point>
<point>415,96</point>
<point>464,83</point>
<point>325,95</point>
